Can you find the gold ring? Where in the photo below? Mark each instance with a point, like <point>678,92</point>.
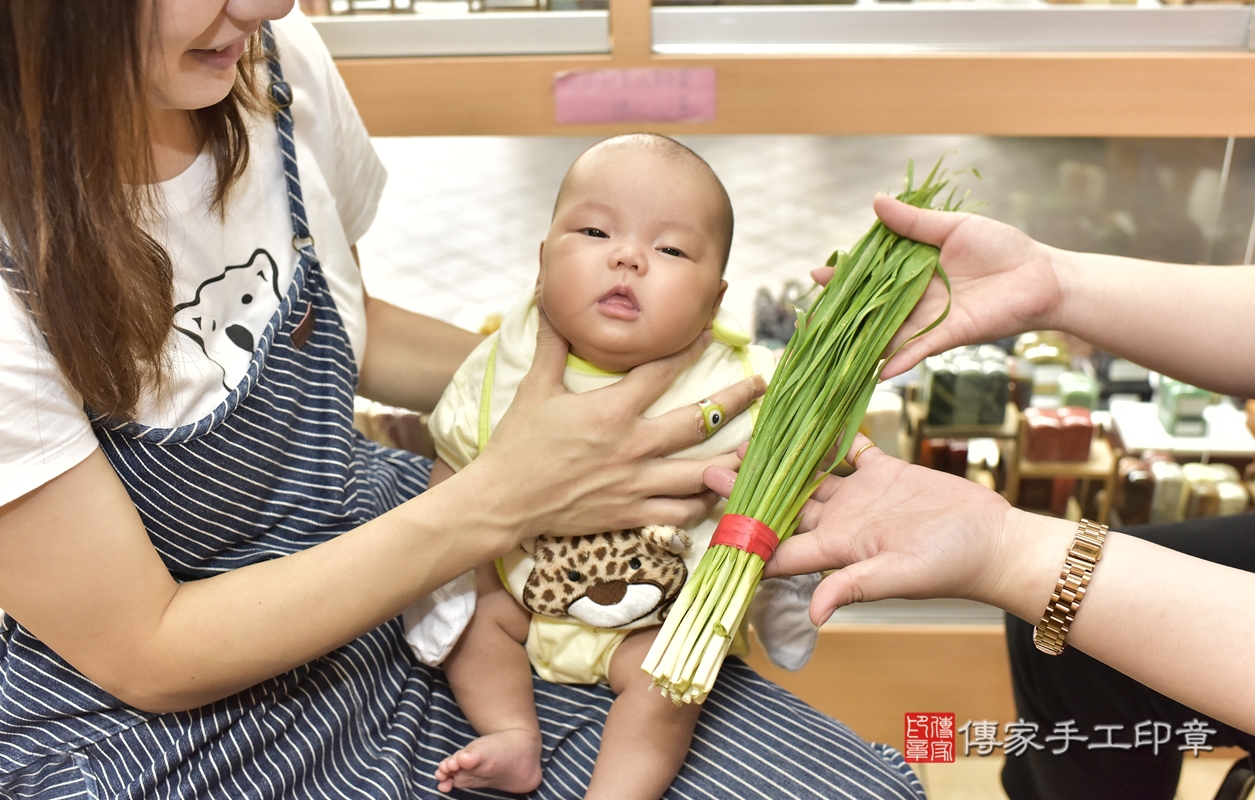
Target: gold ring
<point>854,461</point>
<point>712,415</point>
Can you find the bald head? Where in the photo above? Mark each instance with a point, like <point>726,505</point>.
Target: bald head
<point>662,147</point>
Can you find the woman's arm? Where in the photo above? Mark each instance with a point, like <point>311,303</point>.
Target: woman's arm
<point>1167,317</point>
<point>1178,624</point>
<point>1181,625</point>
<point>78,570</point>
<point>1190,322</point>
<point>410,358</point>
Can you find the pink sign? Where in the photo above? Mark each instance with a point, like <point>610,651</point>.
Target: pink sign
<point>635,95</point>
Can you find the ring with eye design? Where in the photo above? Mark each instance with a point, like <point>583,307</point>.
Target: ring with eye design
<point>712,415</point>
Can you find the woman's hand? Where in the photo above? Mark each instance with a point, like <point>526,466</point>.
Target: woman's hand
<point>564,463</point>
<point>1003,282</point>
<point>893,529</point>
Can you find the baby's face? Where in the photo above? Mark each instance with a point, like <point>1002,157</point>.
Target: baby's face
<point>630,270</point>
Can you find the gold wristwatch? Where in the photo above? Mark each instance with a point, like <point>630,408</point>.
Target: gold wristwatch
<point>1051,633</point>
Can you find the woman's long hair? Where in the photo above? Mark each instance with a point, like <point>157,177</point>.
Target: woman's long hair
<point>75,185</point>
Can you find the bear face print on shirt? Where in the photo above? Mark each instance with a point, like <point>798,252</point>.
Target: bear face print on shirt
<point>218,319</point>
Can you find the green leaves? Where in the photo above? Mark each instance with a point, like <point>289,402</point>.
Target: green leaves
<point>816,400</point>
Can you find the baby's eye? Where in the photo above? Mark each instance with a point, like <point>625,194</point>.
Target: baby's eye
<point>594,232</point>
<point>671,251</point>
<point>635,563</point>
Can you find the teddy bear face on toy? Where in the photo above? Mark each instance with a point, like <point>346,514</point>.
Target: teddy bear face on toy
<point>608,580</point>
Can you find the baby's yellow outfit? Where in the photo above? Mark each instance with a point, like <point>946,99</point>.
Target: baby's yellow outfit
<point>570,649</point>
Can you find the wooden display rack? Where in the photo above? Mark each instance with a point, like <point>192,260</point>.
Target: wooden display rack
<point>1100,466</point>
<point>918,429</point>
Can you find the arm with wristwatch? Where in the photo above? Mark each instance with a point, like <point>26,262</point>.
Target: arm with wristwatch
<point>1180,625</point>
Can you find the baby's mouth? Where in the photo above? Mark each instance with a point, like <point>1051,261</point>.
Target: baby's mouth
<point>622,299</point>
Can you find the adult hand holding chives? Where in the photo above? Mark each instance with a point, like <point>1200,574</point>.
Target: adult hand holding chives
<point>920,534</point>
<point>1001,282</point>
<point>816,400</point>
<point>897,530</point>
<point>893,529</point>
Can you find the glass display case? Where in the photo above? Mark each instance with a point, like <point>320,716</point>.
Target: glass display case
<point>893,26</point>
<point>995,67</point>
<point>365,28</point>
<point>425,28</point>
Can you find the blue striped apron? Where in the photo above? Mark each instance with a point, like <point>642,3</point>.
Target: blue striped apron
<point>277,468</point>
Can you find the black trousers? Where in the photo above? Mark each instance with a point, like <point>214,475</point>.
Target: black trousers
<point>1050,690</point>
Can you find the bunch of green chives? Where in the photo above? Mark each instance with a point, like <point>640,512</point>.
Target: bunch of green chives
<point>815,402</point>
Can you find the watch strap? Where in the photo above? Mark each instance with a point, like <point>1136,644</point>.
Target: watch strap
<point>1051,633</point>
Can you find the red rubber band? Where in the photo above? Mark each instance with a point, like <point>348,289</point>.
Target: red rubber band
<point>746,533</point>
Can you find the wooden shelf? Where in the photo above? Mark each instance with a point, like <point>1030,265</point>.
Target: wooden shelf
<point>901,669</point>
<point>1100,466</point>
<point>918,430</point>
<point>1101,463</point>
<point>1009,429</point>
<point>997,94</point>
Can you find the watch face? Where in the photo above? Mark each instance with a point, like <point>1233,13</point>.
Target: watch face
<point>1087,546</point>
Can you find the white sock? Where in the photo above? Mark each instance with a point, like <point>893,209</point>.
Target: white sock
<point>780,614</point>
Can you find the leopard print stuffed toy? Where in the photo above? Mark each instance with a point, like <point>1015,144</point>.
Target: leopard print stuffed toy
<point>608,580</point>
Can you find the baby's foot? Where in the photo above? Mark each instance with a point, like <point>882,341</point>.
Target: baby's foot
<point>508,760</point>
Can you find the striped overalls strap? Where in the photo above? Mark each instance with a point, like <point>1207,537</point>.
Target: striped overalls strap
<point>281,95</point>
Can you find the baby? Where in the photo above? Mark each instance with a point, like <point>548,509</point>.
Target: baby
<point>631,271</point>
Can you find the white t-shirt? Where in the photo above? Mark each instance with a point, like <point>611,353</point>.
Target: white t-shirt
<point>229,273</point>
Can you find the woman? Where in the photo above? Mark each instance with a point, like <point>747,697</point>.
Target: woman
<point>201,563</point>
<point>1175,623</point>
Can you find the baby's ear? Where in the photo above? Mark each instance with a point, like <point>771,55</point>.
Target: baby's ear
<point>540,274</point>
<point>714,309</point>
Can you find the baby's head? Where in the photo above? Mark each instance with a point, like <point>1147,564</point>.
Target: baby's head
<point>632,268</point>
